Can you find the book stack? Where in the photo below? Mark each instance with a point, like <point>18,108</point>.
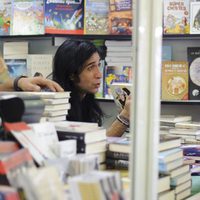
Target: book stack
<point>15,56</point>
<point>119,63</point>
<point>192,152</point>
<point>188,131</point>
<point>170,120</point>
<point>175,177</point>
<point>53,107</point>
<point>90,138</point>
<point>117,155</point>
<point>96,185</point>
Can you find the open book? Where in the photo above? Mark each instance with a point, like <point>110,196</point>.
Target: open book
<point>120,91</point>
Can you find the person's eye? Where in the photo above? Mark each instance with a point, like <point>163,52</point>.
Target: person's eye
<point>89,68</point>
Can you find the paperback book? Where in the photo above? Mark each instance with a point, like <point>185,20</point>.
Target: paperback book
<point>120,17</point>
<point>64,17</point>
<point>5,16</point>
<point>195,17</point>
<point>96,17</point>
<point>27,17</point>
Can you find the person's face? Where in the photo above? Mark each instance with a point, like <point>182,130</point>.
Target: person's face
<point>91,75</point>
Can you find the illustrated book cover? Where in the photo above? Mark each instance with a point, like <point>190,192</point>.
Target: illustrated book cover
<point>120,17</point>
<point>176,17</point>
<point>120,92</point>
<point>96,17</point>
<point>193,56</point>
<point>195,17</point>
<point>64,16</point>
<point>174,80</point>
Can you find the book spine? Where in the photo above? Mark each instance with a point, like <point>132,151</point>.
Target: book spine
<point>117,155</point>
<point>117,164</point>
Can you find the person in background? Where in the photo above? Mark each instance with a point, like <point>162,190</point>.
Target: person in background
<point>76,69</point>
<point>23,83</point>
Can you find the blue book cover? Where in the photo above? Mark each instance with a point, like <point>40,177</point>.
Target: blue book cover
<point>16,67</point>
<point>166,53</point>
<point>64,16</point>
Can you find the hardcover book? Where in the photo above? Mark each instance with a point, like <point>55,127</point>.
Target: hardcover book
<point>120,17</point>
<point>64,17</point>
<point>27,17</point>
<point>174,80</point>
<point>176,17</point>
<point>96,17</point>
<point>193,56</point>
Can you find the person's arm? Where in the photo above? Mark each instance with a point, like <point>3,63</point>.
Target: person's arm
<point>31,84</point>
<point>118,127</point>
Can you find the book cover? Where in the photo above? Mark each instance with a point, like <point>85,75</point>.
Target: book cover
<point>191,150</point>
<point>16,67</point>
<point>193,56</point>
<point>41,63</point>
<point>5,16</point>
<point>120,92</point>
<point>195,17</point>
<point>96,17</point>
<point>176,17</point>
<point>116,74</point>
<point>120,17</point>
<point>174,80</point>
<point>27,17</point>
<point>64,16</point>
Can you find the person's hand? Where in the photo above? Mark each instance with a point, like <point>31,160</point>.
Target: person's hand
<point>126,110</point>
<point>37,83</point>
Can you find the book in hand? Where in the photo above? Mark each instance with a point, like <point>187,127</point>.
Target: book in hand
<point>120,92</point>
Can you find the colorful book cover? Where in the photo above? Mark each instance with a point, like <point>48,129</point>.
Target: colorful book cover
<point>176,17</point>
<point>96,17</point>
<point>64,16</point>
<point>27,17</point>
<point>16,67</point>
<point>195,18</point>
<point>5,16</point>
<point>116,74</point>
<point>175,80</point>
<point>193,54</point>
<point>120,17</point>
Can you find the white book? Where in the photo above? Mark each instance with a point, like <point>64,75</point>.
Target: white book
<point>118,59</point>
<point>120,54</point>
<point>53,119</point>
<point>57,107</point>
<point>10,48</point>
<point>183,194</point>
<point>175,118</point>
<point>179,170</point>
<point>114,43</point>
<point>177,180</point>
<point>41,63</point>
<point>183,186</point>
<point>119,49</point>
<point>166,195</point>
<point>188,125</point>
<point>43,95</point>
<point>163,183</point>
<point>48,113</point>
<point>56,101</point>
<point>75,126</point>
<point>195,17</point>
<point>194,197</point>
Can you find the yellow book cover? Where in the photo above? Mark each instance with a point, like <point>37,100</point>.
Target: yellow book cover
<point>174,80</point>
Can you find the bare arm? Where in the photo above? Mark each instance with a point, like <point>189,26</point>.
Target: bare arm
<point>31,84</point>
<point>117,128</point>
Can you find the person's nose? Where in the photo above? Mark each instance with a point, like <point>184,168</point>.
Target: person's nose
<point>98,73</point>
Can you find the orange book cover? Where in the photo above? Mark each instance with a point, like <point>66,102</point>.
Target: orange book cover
<point>175,80</point>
